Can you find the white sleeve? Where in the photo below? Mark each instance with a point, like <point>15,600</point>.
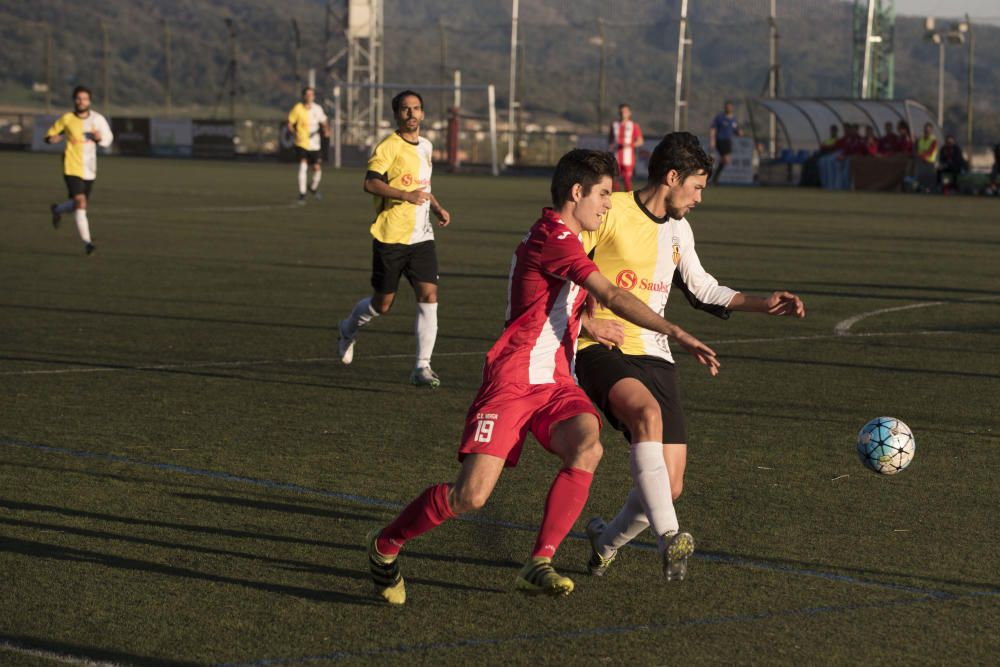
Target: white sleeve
<point>322,114</point>
<point>105,129</point>
<point>700,287</point>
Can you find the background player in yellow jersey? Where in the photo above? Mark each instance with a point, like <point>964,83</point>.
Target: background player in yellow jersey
<point>646,246</point>
<point>307,122</point>
<point>84,130</point>
<point>399,176</point>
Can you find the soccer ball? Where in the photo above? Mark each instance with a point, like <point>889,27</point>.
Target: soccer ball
<point>886,445</point>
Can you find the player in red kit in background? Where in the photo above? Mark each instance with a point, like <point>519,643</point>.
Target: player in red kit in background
<point>528,382</point>
<point>624,140</point>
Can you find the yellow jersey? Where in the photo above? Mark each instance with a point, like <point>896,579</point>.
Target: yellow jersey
<point>308,122</point>
<point>648,256</point>
<point>406,166</point>
<point>80,158</point>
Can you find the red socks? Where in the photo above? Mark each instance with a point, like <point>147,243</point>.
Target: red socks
<point>429,510</point>
<point>566,499</point>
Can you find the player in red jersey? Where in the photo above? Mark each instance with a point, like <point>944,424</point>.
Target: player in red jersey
<point>528,383</point>
<point>624,140</point>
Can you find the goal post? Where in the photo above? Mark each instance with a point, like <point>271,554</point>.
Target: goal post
<point>476,121</point>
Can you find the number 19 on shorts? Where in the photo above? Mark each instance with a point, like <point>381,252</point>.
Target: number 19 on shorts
<point>484,430</point>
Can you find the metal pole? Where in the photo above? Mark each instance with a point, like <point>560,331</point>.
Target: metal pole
<point>513,82</point>
<point>491,100</point>
<point>968,102</point>
<point>940,110</point>
<point>865,78</point>
<point>772,76</point>
<point>600,77</point>
<point>336,127</point>
<point>679,100</point>
<point>167,66</point>
<point>458,89</point>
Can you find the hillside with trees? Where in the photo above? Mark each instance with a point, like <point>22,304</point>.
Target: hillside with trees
<point>560,55</point>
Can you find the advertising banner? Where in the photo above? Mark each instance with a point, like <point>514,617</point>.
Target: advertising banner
<point>212,138</point>
<point>131,136</point>
<point>171,137</point>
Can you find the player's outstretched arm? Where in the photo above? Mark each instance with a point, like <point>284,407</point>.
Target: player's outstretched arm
<point>625,305</point>
<point>779,303</point>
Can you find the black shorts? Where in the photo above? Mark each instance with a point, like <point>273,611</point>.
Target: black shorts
<point>724,146</point>
<point>312,157</point>
<point>598,369</point>
<point>418,262</point>
<point>77,186</point>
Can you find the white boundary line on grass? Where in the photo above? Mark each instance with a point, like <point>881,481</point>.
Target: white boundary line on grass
<point>53,655</point>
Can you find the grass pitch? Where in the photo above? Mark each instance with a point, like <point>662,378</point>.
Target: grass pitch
<point>188,472</point>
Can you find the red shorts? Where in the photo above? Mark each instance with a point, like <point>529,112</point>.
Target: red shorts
<point>503,414</point>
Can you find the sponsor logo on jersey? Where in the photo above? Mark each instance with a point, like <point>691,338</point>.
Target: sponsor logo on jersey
<point>676,243</point>
<point>407,179</point>
<point>627,279</point>
<point>655,285</point>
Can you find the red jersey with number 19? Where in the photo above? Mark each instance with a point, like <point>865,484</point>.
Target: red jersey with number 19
<point>545,301</point>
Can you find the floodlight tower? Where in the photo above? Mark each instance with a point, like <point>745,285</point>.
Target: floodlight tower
<point>360,65</point>
<point>872,58</point>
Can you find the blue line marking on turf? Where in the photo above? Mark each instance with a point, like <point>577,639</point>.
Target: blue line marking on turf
<point>590,632</point>
<point>374,502</point>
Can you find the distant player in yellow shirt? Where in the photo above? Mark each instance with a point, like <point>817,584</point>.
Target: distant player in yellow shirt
<point>646,246</point>
<point>84,130</point>
<point>399,176</point>
<point>307,122</point>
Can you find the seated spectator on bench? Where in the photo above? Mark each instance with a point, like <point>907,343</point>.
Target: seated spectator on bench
<point>888,142</point>
<point>951,163</point>
<point>904,142</point>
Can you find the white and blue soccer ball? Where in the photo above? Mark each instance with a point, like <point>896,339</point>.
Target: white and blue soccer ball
<point>886,445</point>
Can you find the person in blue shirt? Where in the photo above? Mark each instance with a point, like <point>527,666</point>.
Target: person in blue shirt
<point>720,136</point>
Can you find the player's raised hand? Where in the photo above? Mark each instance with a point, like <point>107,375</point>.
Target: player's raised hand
<point>703,353</point>
<point>785,303</point>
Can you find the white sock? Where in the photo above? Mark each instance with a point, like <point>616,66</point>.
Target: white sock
<point>67,206</point>
<point>82,225</point>
<point>649,473</point>
<point>302,178</point>
<point>427,331</point>
<point>315,182</point>
<point>359,317</point>
<point>626,526</point>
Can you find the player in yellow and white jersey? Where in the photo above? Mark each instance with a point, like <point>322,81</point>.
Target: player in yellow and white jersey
<point>646,246</point>
<point>399,177</point>
<point>307,121</point>
<point>84,130</point>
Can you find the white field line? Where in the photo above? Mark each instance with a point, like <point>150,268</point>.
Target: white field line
<point>844,326</point>
<point>376,357</point>
<point>56,657</point>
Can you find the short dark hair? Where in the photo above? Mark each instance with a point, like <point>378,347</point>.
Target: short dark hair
<point>398,99</point>
<point>81,89</point>
<point>680,152</point>
<point>586,167</point>
<point>307,89</point>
